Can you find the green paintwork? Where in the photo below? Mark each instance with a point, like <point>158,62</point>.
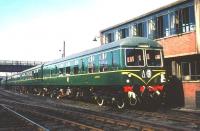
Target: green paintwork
<point>116,74</point>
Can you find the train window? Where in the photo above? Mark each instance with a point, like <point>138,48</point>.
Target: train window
<point>90,68</point>
<point>90,64</point>
<point>103,68</point>
<point>153,57</point>
<point>51,72</point>
<point>76,69</point>
<point>68,70</point>
<point>82,65</point>
<point>61,70</point>
<point>134,57</point>
<point>35,74</point>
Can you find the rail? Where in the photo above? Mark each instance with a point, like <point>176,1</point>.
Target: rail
<point>32,122</point>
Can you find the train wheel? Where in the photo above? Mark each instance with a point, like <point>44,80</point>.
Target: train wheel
<point>100,101</point>
<point>132,101</point>
<point>120,104</point>
<point>51,95</point>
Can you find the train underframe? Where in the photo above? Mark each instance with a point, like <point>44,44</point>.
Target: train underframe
<point>127,96</point>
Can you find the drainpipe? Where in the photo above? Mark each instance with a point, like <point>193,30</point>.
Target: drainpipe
<point>197,21</point>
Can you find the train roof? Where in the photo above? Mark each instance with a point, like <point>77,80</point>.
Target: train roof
<point>126,42</point>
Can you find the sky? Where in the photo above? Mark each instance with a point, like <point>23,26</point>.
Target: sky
<point>34,30</point>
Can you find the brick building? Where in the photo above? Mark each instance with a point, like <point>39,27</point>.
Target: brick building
<point>177,28</point>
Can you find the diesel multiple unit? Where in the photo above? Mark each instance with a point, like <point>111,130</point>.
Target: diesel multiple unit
<point>126,72</point>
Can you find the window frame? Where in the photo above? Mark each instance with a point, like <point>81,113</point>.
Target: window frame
<point>126,57</point>
<point>161,55</point>
<point>109,37</point>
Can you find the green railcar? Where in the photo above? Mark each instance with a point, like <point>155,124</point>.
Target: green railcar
<point>126,71</point>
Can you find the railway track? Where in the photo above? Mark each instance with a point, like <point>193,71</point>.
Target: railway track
<point>172,115</point>
<point>10,120</point>
<point>32,120</point>
<point>100,121</point>
<point>127,120</point>
<point>54,119</point>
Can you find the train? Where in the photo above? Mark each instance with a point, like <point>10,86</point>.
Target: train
<point>127,72</point>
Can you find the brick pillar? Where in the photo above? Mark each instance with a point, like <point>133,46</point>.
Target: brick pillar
<point>197,21</point>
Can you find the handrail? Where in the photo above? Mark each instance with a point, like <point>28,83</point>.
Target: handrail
<point>11,62</point>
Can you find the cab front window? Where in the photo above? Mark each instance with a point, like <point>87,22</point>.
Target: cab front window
<point>134,57</point>
<point>153,57</point>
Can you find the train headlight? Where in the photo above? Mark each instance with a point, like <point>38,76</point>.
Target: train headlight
<point>129,75</point>
<point>162,78</point>
<point>148,73</point>
<point>127,81</point>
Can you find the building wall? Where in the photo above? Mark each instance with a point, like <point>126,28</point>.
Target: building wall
<point>165,22</point>
<point>190,89</point>
<point>197,21</point>
<point>179,45</point>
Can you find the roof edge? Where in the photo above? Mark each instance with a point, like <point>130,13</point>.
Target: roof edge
<point>145,14</point>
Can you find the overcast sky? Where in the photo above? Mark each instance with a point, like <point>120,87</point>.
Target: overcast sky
<point>34,30</point>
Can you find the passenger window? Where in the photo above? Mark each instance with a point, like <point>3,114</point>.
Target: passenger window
<point>51,72</point>
<point>103,68</point>
<point>68,70</point>
<point>90,68</point>
<point>76,69</point>
<point>103,62</point>
<point>61,70</point>
<point>91,64</point>
<point>82,65</point>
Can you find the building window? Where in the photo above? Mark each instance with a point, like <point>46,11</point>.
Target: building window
<point>172,23</point>
<point>190,70</point>
<point>109,37</point>
<point>151,28</point>
<point>139,29</point>
<point>134,30</point>
<point>123,33</point>
<point>162,26</point>
<point>186,70</point>
<point>185,20</point>
<point>142,29</point>
<point>182,20</point>
<point>191,18</point>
